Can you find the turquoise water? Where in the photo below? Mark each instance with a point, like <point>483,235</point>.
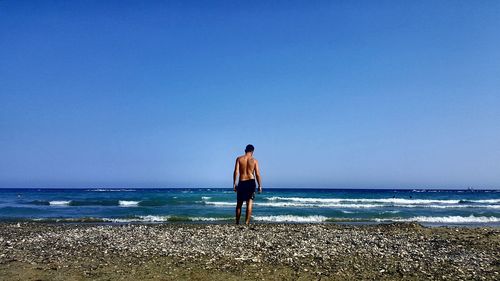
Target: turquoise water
<point>446,207</point>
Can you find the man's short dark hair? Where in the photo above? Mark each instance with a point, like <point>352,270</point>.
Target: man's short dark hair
<point>249,148</point>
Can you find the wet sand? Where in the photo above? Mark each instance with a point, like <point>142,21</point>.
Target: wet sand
<point>402,251</point>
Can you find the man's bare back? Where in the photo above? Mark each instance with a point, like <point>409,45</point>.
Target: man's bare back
<point>246,167</point>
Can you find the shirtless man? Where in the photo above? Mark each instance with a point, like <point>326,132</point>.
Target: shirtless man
<point>246,166</point>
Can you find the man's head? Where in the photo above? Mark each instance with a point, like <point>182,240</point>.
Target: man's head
<point>249,148</point>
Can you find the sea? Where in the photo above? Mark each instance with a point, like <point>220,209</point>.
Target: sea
<point>274,205</point>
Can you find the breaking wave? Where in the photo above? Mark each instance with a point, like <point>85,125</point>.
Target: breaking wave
<point>137,219</point>
<point>153,218</point>
<point>274,219</point>
<point>125,203</point>
<point>277,201</point>
<point>447,219</point>
<point>379,200</point>
<point>352,205</point>
<point>107,202</point>
<point>60,202</point>
<point>292,218</point>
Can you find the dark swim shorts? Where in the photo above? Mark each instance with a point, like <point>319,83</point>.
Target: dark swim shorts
<point>246,190</point>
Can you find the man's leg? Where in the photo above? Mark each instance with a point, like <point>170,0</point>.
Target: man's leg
<point>249,211</point>
<point>238,211</point>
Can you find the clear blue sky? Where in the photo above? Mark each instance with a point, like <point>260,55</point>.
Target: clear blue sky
<point>361,94</point>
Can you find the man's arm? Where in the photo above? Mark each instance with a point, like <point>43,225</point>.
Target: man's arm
<point>257,175</point>
<point>235,173</point>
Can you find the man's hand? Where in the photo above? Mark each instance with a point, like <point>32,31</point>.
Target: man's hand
<point>260,189</point>
<point>234,187</point>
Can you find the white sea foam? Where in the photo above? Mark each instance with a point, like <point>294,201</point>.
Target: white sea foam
<point>291,218</point>
<point>153,218</point>
<point>206,219</point>
<point>325,205</point>
<point>149,218</point>
<point>60,202</point>
<point>350,205</point>
<point>206,198</point>
<point>117,220</point>
<point>221,204</point>
<point>295,204</point>
<point>370,200</point>
<point>447,219</point>
<point>390,212</point>
<point>125,203</point>
<point>492,201</point>
<point>449,206</point>
<point>305,200</point>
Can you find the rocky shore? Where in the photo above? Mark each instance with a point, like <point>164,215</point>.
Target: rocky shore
<point>36,251</point>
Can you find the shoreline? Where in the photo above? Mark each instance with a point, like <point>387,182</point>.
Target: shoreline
<point>229,221</point>
<point>270,251</point>
<point>98,222</point>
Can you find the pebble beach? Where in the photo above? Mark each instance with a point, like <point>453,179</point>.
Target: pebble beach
<point>404,251</point>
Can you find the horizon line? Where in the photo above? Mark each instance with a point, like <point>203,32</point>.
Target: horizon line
<point>272,187</point>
